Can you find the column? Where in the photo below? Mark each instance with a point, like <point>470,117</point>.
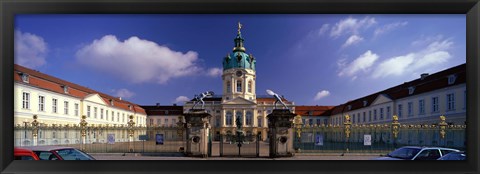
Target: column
<point>244,119</point>
<point>223,117</point>
<point>234,117</point>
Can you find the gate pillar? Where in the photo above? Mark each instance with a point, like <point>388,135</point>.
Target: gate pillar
<point>198,128</point>
<point>280,125</point>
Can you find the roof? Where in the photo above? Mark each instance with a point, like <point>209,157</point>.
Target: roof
<point>313,110</point>
<point>431,82</point>
<point>50,83</point>
<point>163,110</point>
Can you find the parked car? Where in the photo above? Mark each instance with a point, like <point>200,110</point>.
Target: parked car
<point>417,153</point>
<point>24,154</point>
<point>454,156</point>
<point>59,153</point>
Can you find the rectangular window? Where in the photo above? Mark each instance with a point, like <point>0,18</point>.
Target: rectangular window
<point>364,117</point>
<point>41,103</point>
<point>410,108</point>
<point>65,107</point>
<point>174,121</point>
<point>94,112</point>
<point>217,122</point>
<point>248,120</point>
<point>381,113</point>
<point>239,86</point>
<point>76,109</point>
<point>88,111</point>
<point>325,121</point>
<point>370,115</point>
<point>388,112</point>
<point>54,105</point>
<point>106,115</point>
<point>259,121</point>
<point>319,121</point>
<point>151,122</point>
<point>26,100</point>
<point>118,116</point>
<point>353,118</point>
<point>435,104</point>
<point>421,106</point>
<point>166,122</point>
<point>374,114</point>
<point>399,112</point>
<point>358,117</point>
<point>123,117</point>
<point>310,121</point>
<point>450,102</point>
<point>101,113</point>
<point>159,122</point>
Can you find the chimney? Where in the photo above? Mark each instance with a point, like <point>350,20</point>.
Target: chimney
<point>158,104</point>
<point>119,98</point>
<point>174,104</point>
<point>423,76</point>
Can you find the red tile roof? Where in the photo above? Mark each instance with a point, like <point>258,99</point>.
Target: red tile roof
<point>163,110</point>
<point>47,82</point>
<point>313,110</point>
<point>431,82</point>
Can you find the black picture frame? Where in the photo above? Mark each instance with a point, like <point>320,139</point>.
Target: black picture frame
<point>9,8</point>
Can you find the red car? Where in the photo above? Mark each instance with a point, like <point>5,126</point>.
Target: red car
<point>59,153</point>
<point>24,154</point>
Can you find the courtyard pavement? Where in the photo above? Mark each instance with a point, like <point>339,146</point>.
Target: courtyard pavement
<point>330,156</point>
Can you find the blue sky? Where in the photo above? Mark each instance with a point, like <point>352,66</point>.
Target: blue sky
<point>310,59</point>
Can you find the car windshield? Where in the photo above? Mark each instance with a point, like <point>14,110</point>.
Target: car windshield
<point>404,153</point>
<point>73,154</point>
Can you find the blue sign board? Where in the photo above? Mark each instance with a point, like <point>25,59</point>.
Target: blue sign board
<point>159,139</point>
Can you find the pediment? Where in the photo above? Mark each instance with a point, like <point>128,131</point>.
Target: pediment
<point>382,98</point>
<point>95,98</point>
<point>239,101</point>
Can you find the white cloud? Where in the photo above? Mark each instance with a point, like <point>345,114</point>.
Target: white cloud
<point>435,54</point>
<point>362,63</point>
<point>351,26</point>
<point>323,29</point>
<point>124,93</point>
<point>30,50</point>
<point>393,66</point>
<point>181,99</point>
<point>321,94</point>
<point>214,72</point>
<point>354,39</point>
<point>388,27</point>
<point>137,60</point>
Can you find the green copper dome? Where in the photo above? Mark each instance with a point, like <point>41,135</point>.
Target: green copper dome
<point>238,58</point>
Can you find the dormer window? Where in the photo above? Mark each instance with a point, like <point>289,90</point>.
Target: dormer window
<point>365,102</point>
<point>129,107</point>
<point>65,89</point>
<point>451,79</point>
<point>411,90</point>
<point>111,102</point>
<point>349,107</point>
<point>310,112</point>
<point>25,77</point>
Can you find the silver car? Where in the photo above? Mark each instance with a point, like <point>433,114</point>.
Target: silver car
<point>417,153</point>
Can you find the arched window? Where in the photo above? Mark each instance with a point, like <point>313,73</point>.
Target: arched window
<point>239,86</point>
<point>249,117</point>
<point>229,118</point>
<point>229,86</point>
<point>250,86</point>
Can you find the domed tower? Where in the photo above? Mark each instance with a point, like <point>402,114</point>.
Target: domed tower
<point>239,72</point>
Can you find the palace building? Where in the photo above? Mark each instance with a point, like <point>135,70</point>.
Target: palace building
<point>56,101</point>
<point>420,101</point>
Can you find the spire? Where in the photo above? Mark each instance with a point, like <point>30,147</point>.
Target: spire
<point>239,40</point>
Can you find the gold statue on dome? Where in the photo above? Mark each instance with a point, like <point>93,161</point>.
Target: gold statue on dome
<point>239,27</point>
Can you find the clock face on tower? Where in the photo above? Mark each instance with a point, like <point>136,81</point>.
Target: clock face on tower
<point>239,73</point>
